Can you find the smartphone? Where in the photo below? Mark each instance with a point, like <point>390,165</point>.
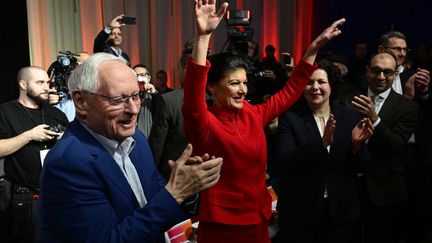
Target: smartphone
<point>128,20</point>
<point>286,58</point>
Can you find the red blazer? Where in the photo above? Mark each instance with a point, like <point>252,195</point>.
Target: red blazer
<point>240,197</point>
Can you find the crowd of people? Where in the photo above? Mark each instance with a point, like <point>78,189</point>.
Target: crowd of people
<point>346,144</point>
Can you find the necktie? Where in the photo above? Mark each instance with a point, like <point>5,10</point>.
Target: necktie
<point>377,100</point>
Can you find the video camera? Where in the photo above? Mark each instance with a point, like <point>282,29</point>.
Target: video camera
<point>239,32</point>
<point>60,70</point>
<point>237,22</point>
<point>240,35</point>
<point>240,42</point>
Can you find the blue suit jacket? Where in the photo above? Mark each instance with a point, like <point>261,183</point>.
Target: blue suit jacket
<point>307,167</point>
<point>86,198</point>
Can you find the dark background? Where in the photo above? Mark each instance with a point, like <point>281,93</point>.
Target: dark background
<point>368,19</point>
<point>14,46</point>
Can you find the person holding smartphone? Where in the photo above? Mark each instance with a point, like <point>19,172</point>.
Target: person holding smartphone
<point>110,38</point>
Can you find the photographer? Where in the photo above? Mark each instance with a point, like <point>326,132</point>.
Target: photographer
<point>29,127</point>
<point>262,80</point>
<point>110,39</point>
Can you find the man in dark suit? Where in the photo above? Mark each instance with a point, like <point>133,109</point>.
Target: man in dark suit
<point>99,184</point>
<point>407,82</point>
<point>167,139</point>
<point>110,39</point>
<point>415,85</point>
<point>394,118</point>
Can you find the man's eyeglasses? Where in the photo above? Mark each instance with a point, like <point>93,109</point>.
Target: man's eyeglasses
<point>143,74</point>
<point>387,72</point>
<point>118,101</point>
<point>398,49</point>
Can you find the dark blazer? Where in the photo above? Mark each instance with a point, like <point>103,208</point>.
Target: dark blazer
<point>100,45</point>
<point>385,175</point>
<point>404,76</point>
<point>86,198</point>
<point>308,167</point>
<point>167,139</point>
<point>423,133</point>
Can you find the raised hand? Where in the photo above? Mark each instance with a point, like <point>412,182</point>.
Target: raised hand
<point>206,17</point>
<point>364,105</point>
<point>361,132</point>
<point>422,80</point>
<point>150,88</point>
<point>328,34</point>
<point>328,133</point>
<point>53,96</point>
<point>116,22</point>
<point>417,83</point>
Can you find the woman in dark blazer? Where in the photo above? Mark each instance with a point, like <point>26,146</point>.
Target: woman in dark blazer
<point>320,148</point>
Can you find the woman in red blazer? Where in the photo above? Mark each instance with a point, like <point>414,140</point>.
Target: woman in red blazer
<point>239,206</point>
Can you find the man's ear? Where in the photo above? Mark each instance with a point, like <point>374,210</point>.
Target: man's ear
<point>22,84</point>
<point>80,103</point>
<point>381,48</point>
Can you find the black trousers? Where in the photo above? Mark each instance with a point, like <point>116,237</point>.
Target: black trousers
<point>379,223</point>
<point>325,231</point>
<point>22,216</point>
<point>418,175</point>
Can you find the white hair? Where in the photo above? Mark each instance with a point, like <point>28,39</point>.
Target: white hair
<point>85,76</point>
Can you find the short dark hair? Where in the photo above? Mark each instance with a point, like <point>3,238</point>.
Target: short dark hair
<point>141,66</point>
<point>224,63</point>
<point>383,40</point>
<point>162,71</point>
<point>270,48</point>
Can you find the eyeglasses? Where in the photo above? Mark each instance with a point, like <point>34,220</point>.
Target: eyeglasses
<point>143,74</point>
<point>118,101</point>
<point>387,72</point>
<point>398,49</point>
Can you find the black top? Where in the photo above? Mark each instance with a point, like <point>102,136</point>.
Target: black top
<point>24,166</point>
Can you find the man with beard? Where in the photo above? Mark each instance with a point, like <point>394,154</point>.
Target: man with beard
<point>29,127</point>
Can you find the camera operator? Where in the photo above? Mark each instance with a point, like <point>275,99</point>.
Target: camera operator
<point>110,38</point>
<point>29,127</point>
<point>274,72</point>
<point>261,79</point>
<point>59,72</point>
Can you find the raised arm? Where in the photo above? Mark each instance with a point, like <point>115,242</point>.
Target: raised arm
<point>206,22</point>
<point>328,34</point>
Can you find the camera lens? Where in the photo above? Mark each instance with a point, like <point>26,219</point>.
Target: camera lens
<point>65,62</point>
